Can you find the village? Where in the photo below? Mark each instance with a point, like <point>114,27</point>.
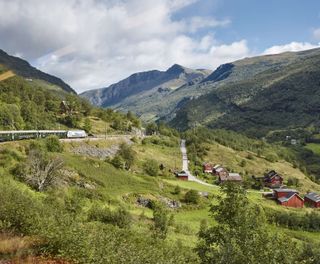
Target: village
<point>271,180</point>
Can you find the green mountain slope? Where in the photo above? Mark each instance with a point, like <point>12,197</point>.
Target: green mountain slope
<point>283,93</point>
<point>24,69</point>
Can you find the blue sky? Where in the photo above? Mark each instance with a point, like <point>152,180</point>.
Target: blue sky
<point>94,43</point>
<point>263,23</point>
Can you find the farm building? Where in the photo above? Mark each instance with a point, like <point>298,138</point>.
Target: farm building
<point>233,177</point>
<point>272,179</point>
<point>207,168</point>
<point>312,199</point>
<point>182,175</point>
<point>288,197</point>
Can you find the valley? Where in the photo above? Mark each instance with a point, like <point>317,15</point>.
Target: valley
<point>113,197</point>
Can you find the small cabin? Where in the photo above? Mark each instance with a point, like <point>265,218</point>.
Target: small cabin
<point>230,177</point>
<point>312,199</point>
<point>182,175</point>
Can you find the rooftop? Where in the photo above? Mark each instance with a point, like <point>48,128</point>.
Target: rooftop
<point>313,196</point>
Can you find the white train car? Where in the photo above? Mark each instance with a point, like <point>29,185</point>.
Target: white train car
<point>76,134</point>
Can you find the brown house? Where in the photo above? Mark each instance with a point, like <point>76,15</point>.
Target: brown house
<point>272,179</point>
<point>288,197</point>
<point>312,199</point>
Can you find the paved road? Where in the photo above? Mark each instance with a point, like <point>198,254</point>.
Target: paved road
<point>185,165</point>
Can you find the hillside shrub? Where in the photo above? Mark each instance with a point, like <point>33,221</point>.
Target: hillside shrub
<point>151,167</point>
<point>53,144</point>
<point>192,196</point>
<point>120,217</point>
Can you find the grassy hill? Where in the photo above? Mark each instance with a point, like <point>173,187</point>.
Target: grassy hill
<point>78,209</point>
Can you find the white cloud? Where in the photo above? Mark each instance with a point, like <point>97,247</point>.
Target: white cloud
<point>197,23</point>
<point>293,46</point>
<point>93,43</point>
<point>316,33</point>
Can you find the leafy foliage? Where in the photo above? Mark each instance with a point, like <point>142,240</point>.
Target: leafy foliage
<point>241,235</point>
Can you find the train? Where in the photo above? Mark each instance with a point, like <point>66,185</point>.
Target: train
<point>32,134</point>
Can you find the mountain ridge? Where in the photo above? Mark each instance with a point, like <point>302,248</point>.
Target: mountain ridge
<point>24,69</point>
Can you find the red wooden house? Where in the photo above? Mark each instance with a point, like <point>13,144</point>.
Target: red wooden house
<point>207,168</point>
<point>272,179</point>
<point>182,175</point>
<point>312,199</point>
<point>289,198</point>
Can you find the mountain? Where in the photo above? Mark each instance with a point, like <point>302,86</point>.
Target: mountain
<point>24,69</point>
<point>145,93</point>
<point>259,95</point>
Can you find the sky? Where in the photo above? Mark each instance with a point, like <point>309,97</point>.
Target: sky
<point>94,43</point>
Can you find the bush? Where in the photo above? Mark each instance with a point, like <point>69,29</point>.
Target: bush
<point>118,162</point>
<point>177,190</point>
<point>161,220</point>
<point>53,144</point>
<point>120,217</point>
<point>192,196</point>
<point>127,154</point>
<point>151,167</point>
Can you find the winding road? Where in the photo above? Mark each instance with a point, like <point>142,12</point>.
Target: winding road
<point>185,165</point>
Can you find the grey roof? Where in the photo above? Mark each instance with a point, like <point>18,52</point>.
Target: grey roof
<point>286,190</point>
<point>313,197</point>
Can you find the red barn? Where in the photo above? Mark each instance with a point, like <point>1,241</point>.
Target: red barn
<point>289,198</point>
<point>207,168</point>
<point>312,199</point>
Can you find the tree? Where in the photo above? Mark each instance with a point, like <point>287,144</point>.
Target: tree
<point>151,129</point>
<point>192,196</point>
<point>242,234</point>
<point>40,170</point>
<point>151,167</point>
<point>127,154</point>
<point>87,125</point>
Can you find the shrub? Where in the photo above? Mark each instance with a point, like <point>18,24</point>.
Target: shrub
<point>161,220</point>
<point>127,154</point>
<point>192,196</point>
<point>120,217</point>
<point>118,162</point>
<point>151,167</point>
<point>177,190</point>
<point>53,144</point>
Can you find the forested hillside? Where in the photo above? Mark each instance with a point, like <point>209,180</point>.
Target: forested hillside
<point>282,97</point>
